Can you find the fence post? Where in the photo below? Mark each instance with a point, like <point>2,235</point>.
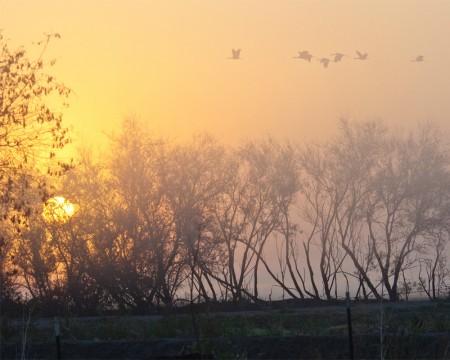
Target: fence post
<point>349,325</point>
<point>57,335</point>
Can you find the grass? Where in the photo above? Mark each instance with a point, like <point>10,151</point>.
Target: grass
<point>433,317</point>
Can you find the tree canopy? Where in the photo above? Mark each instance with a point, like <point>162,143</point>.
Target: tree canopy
<point>161,222</point>
<point>31,133</point>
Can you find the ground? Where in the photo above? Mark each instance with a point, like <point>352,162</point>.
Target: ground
<point>410,330</point>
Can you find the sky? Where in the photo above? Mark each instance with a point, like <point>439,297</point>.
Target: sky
<point>165,62</point>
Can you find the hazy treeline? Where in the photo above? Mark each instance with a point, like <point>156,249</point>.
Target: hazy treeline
<point>159,223</point>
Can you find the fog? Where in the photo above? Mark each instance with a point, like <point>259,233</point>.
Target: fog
<point>240,71</point>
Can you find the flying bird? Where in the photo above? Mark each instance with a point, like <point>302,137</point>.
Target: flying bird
<point>324,62</point>
<point>235,54</point>
<point>305,55</point>
<point>337,57</point>
<point>419,58</point>
<point>361,56</point>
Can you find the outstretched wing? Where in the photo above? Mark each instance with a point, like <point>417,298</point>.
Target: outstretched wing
<point>337,57</point>
<point>304,54</point>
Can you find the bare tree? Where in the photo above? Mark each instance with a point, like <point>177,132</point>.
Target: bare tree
<point>393,191</point>
<point>195,177</point>
<point>433,271</point>
<point>149,245</point>
<point>36,262</point>
<point>31,132</point>
<point>322,197</point>
<point>409,201</point>
<point>249,211</point>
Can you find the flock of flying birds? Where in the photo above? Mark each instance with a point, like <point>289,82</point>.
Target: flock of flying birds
<point>336,57</point>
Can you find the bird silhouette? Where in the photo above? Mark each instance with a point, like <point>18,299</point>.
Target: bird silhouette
<point>324,62</point>
<point>337,57</point>
<point>235,54</point>
<point>305,55</point>
<point>361,56</point>
<point>419,58</point>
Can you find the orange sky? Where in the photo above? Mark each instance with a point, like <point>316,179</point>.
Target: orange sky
<point>165,61</point>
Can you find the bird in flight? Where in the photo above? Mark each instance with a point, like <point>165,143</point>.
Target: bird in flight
<point>235,54</point>
<point>337,57</point>
<point>324,62</point>
<point>305,55</point>
<point>419,58</point>
<point>361,56</point>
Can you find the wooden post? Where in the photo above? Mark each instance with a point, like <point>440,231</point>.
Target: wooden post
<point>349,326</point>
<point>57,335</point>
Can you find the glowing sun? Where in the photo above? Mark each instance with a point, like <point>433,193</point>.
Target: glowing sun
<point>58,209</point>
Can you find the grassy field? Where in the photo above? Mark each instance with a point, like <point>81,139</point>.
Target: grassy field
<point>401,324</point>
<point>423,317</point>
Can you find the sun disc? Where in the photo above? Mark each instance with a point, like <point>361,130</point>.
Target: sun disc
<point>58,209</point>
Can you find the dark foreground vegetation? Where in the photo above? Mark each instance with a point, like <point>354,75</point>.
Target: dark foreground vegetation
<point>404,330</point>
<point>255,347</point>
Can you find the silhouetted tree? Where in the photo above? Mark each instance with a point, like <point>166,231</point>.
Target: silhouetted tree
<point>433,271</point>
<point>249,211</point>
<point>395,194</point>
<point>196,175</point>
<point>322,196</point>
<point>409,201</point>
<point>31,132</point>
<point>95,227</point>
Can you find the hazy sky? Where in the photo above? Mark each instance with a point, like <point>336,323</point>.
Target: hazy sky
<point>166,62</point>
